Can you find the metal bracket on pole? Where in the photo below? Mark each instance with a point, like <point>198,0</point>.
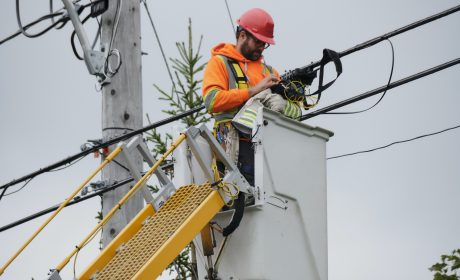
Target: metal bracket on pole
<point>95,60</point>
<point>126,154</point>
<point>54,275</point>
<point>167,187</point>
<point>233,175</point>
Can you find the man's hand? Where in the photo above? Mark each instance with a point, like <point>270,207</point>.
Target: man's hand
<point>267,82</point>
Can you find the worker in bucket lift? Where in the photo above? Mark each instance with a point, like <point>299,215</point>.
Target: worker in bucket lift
<point>236,78</point>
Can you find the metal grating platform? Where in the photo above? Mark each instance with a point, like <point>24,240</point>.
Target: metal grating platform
<point>156,231</point>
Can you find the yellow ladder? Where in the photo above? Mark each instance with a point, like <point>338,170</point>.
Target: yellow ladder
<point>152,240</point>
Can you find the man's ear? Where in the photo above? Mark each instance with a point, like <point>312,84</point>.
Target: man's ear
<point>243,33</point>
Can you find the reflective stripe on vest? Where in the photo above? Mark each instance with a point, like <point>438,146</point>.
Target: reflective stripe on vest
<point>236,79</point>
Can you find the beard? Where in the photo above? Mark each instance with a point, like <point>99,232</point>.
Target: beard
<point>248,53</point>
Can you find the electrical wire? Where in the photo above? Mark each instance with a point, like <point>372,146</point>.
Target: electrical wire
<point>373,92</point>
<point>307,116</point>
<point>64,21</point>
<point>128,180</point>
<point>383,95</point>
<point>103,145</point>
<point>52,19</point>
<point>100,192</point>
<point>54,170</point>
<point>55,24</point>
<point>230,16</point>
<point>121,165</point>
<point>70,164</point>
<point>13,192</point>
<point>78,251</point>
<point>114,52</point>
<point>160,45</point>
<point>394,143</point>
<point>98,34</point>
<point>108,68</point>
<point>197,109</point>
<point>22,29</point>
<point>72,39</point>
<point>75,263</point>
<point>116,20</point>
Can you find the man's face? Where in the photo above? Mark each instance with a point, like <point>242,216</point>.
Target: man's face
<point>252,48</point>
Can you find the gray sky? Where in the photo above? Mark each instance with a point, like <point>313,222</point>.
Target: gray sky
<point>391,213</point>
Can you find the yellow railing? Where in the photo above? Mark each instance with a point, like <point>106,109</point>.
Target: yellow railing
<point>122,201</point>
<point>109,158</point>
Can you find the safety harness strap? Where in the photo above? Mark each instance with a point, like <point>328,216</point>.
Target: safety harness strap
<point>240,77</point>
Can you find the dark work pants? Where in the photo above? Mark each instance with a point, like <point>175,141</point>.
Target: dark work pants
<point>245,162</point>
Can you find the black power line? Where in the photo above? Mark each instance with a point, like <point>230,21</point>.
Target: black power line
<point>194,110</point>
<point>159,44</point>
<point>100,146</point>
<point>388,35</point>
<point>381,89</point>
<point>123,182</point>
<point>63,20</point>
<point>383,95</point>
<point>230,16</point>
<point>394,143</point>
<point>76,200</point>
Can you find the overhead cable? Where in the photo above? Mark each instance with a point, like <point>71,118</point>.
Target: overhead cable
<point>52,11</point>
<point>76,200</point>
<point>54,24</point>
<point>197,109</point>
<point>63,20</point>
<point>394,143</point>
<point>21,27</point>
<point>100,146</point>
<point>15,191</point>
<point>230,16</point>
<point>381,89</point>
<point>383,95</point>
<point>159,44</point>
<point>125,181</point>
<point>72,37</point>
<point>318,112</point>
<point>388,35</point>
<point>3,193</point>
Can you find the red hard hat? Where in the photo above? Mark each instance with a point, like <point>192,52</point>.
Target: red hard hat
<point>259,23</point>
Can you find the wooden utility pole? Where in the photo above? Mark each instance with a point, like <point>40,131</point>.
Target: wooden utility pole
<point>121,104</point>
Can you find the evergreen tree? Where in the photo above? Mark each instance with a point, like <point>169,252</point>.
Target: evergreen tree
<point>185,95</point>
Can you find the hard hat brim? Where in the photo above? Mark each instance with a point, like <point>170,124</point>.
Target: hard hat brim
<point>262,38</point>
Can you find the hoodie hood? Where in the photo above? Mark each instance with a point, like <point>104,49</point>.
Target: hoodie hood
<point>229,50</point>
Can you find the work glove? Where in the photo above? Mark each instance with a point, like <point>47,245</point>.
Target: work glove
<point>274,102</point>
<point>292,110</point>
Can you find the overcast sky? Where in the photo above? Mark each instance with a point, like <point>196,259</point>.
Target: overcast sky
<point>391,213</point>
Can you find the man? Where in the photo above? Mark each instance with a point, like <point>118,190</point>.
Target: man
<point>233,75</point>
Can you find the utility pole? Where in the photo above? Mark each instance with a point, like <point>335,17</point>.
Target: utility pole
<point>121,104</point>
